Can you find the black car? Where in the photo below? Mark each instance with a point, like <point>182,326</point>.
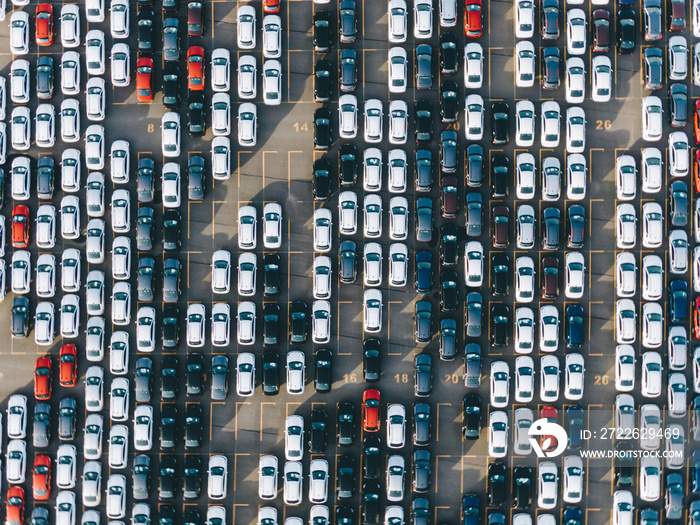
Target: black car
<point>322,128</point>
<point>346,424</point>
<point>166,482</point>
<point>168,427</point>
<point>166,515</point>
<point>422,321</point>
<point>500,325</point>
<point>3,179</point>
<point>421,421</point>
<point>551,219</point>
<point>448,339</point>
<point>347,21</point>
<point>191,517</point>
<point>145,180</point>
<point>347,70</point>
<point>195,375</point>
<point>67,415</point>
<point>422,375</point>
<point>474,168</point>
<point>171,328</point>
<point>271,275</point>
<point>347,165</point>
<point>322,180</point>
<point>347,262</point>
<point>370,457</point>
<point>141,477</point>
<point>626,34</point>
<point>345,477</point>
<point>143,380</point>
<point>497,484</point>
<point>171,85</point>
<point>550,19</point>
<point>499,123</point>
<point>196,125</point>
<point>192,482</point>
<point>371,360</point>
<point>500,274</point>
<point>370,503</point>
<point>423,114</point>
<point>193,426</point>
<point>322,31</point>
<point>318,431</point>
<point>423,170</point>
<point>522,487</point>
<point>322,81</point>
<point>271,323</point>
<point>449,55</point>
<point>448,151</point>
<point>298,319</point>
<point>423,269</point>
<point>145,18</point>
<point>168,378</point>
<point>45,177</point>
<point>170,5</point>
<point>678,100</point>
<point>270,373</point>
<point>420,481</point>
<point>448,291</point>
<point>344,515</point>
<point>171,230</point>
<point>500,169</point>
<point>448,102</point>
<point>577,226</point>
<point>574,327</point>
<point>471,416</point>
<point>449,247</point>
<point>574,516</point>
<point>44,77</point>
<point>550,68</point>
<point>323,377</point>
<point>624,464</point>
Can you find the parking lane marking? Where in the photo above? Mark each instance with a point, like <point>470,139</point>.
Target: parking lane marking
<point>388,330</point>
<point>262,409</point>
<point>437,424</point>
<point>235,427</point>
<point>238,166</point>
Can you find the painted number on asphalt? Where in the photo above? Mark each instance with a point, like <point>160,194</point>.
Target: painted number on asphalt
<point>603,124</point>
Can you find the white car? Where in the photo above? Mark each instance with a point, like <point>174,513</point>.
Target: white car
<point>294,438</point>
<point>318,481</point>
<point>70,26</point>
<point>95,147</point>
<point>45,275</point>
<point>221,114</point>
<point>170,185</point>
<point>652,373</point>
<point>525,63</point>
<point>246,27</point>
<point>625,321</point>
<point>696,64</point>
<point>245,327</point>
<point>652,168</point>
<point>94,389</point>
<point>398,122</point>
<point>70,316</point>
<point>94,338</point>
<point>677,348</point>
<point>217,477</point>
<point>19,81</point>
<point>121,65</point>
<point>272,225</point>
<point>652,225</point>
<point>46,226</point>
<point>624,368</point>
<point>575,130</point>
<point>21,128</point>
<point>576,173</point>
<point>448,13</point>
<point>547,485</point>
<point>652,124</point>
<point>473,65</point>
<point>678,251</point>
<point>118,445</point>
<point>649,478</point>
<point>549,378</point>
<point>347,116</point>
<point>20,178</point>
<point>95,11</point>
<point>572,486</point>
<point>525,19</point>
<point>474,117</point>
<point>146,329</point>
<point>500,384</point>
<point>652,277</point>
<point>373,120</point>
<point>296,372</point>
<point>121,258</point>
<point>623,508</point>
<point>550,116</point>
<point>575,32</point>
<point>395,474</point>
<point>372,216</point>
<point>17,417</point>
<point>677,58</point>
<point>322,277</point>
<point>423,19</point>
<point>92,442</point>
<point>20,272</point>
<point>524,377</point>
<point>397,167</point>
<point>398,218</point>
<point>525,238</point>
<point>525,173</point>
<point>677,395</point>
<point>267,477</point>
<point>626,274</point>
<point>45,126</point>
<point>321,322</point>
<point>66,509</point>
<point>395,425</point>
<point>524,121</point>
<point>575,80</point>
<point>70,73</point>
<point>372,264</point>
<point>95,52</point>
<point>19,33</point>
<point>398,264</point>
<point>398,21</point>
<point>269,514</point>
<point>221,158</point>
<point>196,324</point>
<point>119,161</point>
<point>119,353</point>
<point>143,427</point>
<point>498,434</point>
<point>272,36</point>
<point>323,230</point>
<point>119,401</point>
<point>220,69</point>
<point>372,310</point>
<point>679,154</point>
<point>272,83</point>
<point>522,421</point>
<point>95,99</point>
<point>247,77</point>
<point>95,242</point>
<point>650,432</point>
<point>675,447</point>
<point>119,18</point>
<point>473,264</point>
<point>220,324</point>
<point>549,327</point>
<point>524,279</point>
<point>347,212</point>
<point>16,461</point>
<point>116,496</point>
<point>247,124</point>
<point>221,272</point>
<point>602,79</point>
<point>247,228</point>
<point>626,226</point>
<point>121,209</point>
<point>575,275</point>
<point>66,467</point>
<point>170,137</point>
<point>573,377</point>
<point>292,478</point>
<point>70,170</point>
<point>696,269</point>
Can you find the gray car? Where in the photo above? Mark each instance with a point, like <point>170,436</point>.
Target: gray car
<point>143,378</point>
<point>45,177</point>
<point>674,496</point>
<point>42,425</point>
<point>144,229</point>
<point>474,313</point>
<point>424,66</point>
<point>421,471</point>
<point>474,211</point>
<point>472,365</point>
<point>448,152</point>
<point>652,19</point>
<point>145,279</point>
<point>679,203</point>
<point>420,512</point>
<point>141,482</point>
<point>171,39</point>
<point>44,77</point>
<point>348,262</point>
<point>424,220</point>
<point>145,180</point>
<point>421,424</point>
<point>195,178</point>
<point>448,339</point>
<point>219,377</point>
<point>171,280</point>
<point>422,321</point>
<point>424,170</point>
<point>423,375</point>
<point>551,217</point>
<point>66,418</point>
<point>475,165</point>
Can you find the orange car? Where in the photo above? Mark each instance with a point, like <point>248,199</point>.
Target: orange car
<point>370,410</point>
<point>41,478</point>
<point>473,25</point>
<point>195,68</point>
<point>271,6</point>
<point>550,414</point>
<point>42,378</point>
<point>20,226</point>
<point>696,170</point>
<point>696,122</point>
<point>696,318</point>
<point>44,25</point>
<point>68,366</point>
<point>14,513</point>
<point>144,79</point>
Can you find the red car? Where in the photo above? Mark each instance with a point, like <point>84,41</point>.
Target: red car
<point>44,25</point>
<point>272,6</point>
<point>696,120</point>
<point>696,170</point>
<point>448,197</point>
<point>41,478</point>
<point>68,366</point>
<point>370,410</point>
<point>550,414</point>
<point>20,226</point>
<point>144,79</point>
<point>473,25</point>
<point>42,378</point>
<point>14,512</point>
<point>195,68</point>
<point>696,318</point>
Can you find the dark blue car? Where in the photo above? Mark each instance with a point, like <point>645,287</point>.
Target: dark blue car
<point>470,509</point>
<point>678,292</point>
<point>424,272</point>
<point>574,424</point>
<point>574,327</point>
